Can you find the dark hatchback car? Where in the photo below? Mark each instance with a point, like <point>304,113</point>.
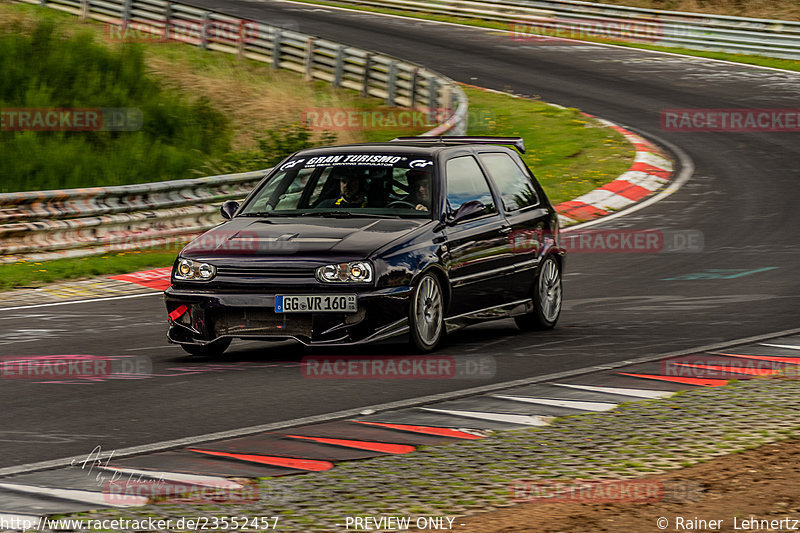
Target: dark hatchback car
<point>353,244</point>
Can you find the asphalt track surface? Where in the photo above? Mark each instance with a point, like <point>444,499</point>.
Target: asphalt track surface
<point>743,197</point>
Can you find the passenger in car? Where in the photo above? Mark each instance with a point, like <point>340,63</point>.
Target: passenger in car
<point>419,187</point>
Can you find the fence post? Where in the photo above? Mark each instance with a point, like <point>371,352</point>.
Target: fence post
<point>276,48</point>
<point>242,37</point>
<point>204,34</point>
<point>367,71</point>
<point>126,14</point>
<point>391,85</point>
<point>414,83</point>
<point>447,93</point>
<point>338,69</point>
<point>433,98</point>
<point>167,21</point>
<point>84,9</point>
<point>308,64</point>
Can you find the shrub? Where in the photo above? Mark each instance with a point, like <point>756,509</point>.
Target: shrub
<point>47,69</point>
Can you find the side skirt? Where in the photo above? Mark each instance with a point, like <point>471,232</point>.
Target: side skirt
<point>520,307</point>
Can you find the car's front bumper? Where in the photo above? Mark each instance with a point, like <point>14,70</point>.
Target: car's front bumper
<point>201,317</point>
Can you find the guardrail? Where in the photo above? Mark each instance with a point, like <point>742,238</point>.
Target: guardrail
<point>44,225</point>
<point>565,18</point>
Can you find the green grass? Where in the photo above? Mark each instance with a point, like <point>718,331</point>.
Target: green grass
<point>569,153</point>
<point>784,64</point>
<point>35,274</point>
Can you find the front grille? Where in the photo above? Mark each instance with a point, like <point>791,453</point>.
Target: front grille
<point>258,322</point>
<point>265,272</point>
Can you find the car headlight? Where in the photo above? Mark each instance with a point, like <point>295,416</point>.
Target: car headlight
<point>188,270</point>
<point>354,271</point>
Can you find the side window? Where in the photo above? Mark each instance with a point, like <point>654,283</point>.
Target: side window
<point>466,182</point>
<point>319,186</point>
<point>515,186</point>
<point>291,197</point>
<point>399,183</point>
<point>265,199</point>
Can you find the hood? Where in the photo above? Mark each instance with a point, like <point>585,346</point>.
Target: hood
<point>306,236</point>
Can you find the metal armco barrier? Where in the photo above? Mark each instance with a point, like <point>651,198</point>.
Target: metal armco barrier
<point>45,225</point>
<point>569,18</point>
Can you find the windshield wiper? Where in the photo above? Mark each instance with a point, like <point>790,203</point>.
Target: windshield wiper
<point>344,214</point>
<point>269,214</point>
<point>328,214</point>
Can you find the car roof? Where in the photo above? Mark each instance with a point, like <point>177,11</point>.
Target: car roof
<point>408,145</point>
<point>373,148</point>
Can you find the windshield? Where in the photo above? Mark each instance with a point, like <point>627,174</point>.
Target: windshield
<point>347,184</point>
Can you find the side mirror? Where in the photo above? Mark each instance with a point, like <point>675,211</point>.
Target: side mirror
<point>467,210</point>
<point>228,209</point>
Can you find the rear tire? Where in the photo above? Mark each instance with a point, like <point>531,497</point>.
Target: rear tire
<point>426,314</point>
<point>547,296</point>
<point>213,349</point>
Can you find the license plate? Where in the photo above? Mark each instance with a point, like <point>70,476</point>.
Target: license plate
<point>316,303</point>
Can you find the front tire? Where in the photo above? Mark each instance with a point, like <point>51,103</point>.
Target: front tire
<point>212,349</point>
<point>547,295</point>
<point>426,314</point>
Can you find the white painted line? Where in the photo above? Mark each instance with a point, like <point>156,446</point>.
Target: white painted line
<point>399,404</point>
<point>84,496</point>
<point>787,346</point>
<point>193,479</point>
<point>570,404</point>
<point>606,200</point>
<point>527,420</point>
<point>81,301</point>
<point>637,393</point>
<point>595,197</point>
<point>650,182</point>
<point>653,160</point>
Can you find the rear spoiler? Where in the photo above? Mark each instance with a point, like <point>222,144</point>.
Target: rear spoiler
<point>516,142</point>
